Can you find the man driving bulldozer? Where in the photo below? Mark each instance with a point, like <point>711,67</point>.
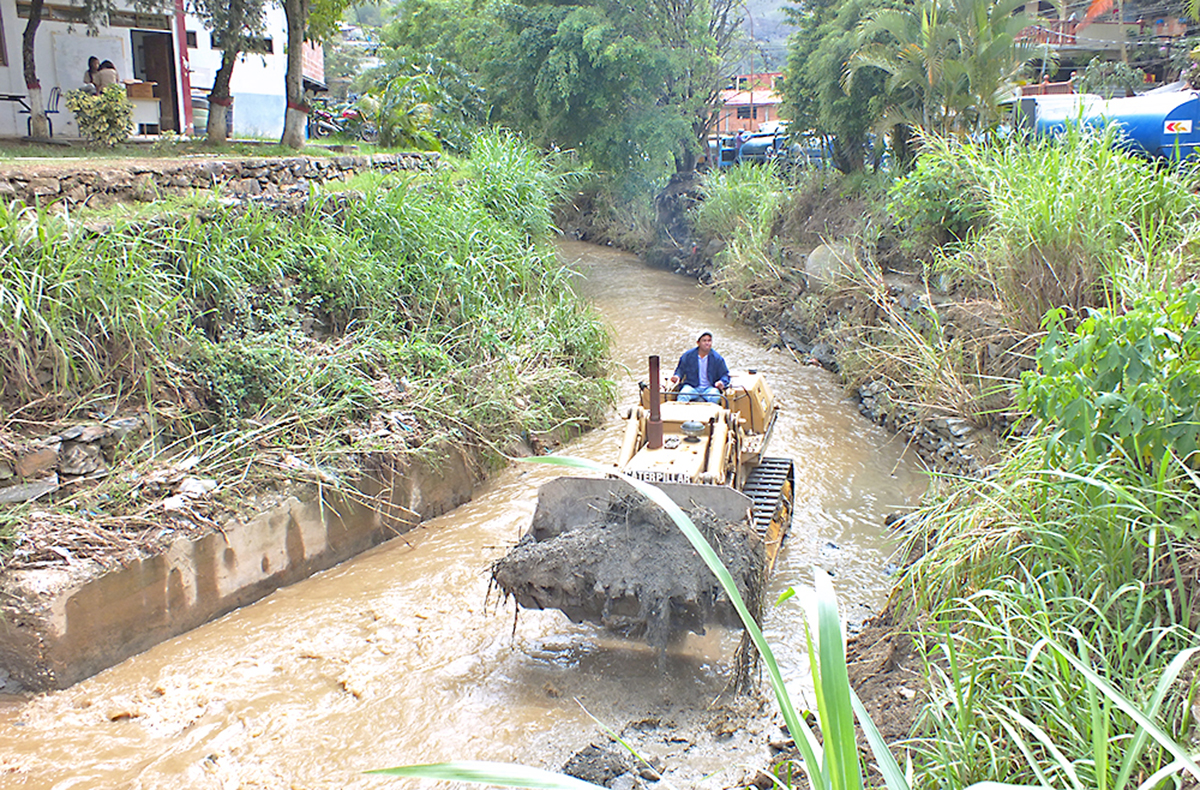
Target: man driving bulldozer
<point>703,372</point>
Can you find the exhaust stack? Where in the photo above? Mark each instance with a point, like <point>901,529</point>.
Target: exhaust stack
<point>654,428</point>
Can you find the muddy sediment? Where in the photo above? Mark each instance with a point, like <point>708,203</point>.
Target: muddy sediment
<point>599,551</point>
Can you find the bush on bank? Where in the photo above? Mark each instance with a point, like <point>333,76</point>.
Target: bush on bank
<point>1084,532</point>
<point>436,296</point>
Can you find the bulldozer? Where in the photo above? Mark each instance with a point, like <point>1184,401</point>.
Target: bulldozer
<point>598,551</point>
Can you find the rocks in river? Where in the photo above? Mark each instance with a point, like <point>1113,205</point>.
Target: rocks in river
<point>37,462</point>
<point>794,341</point>
<point>601,765</point>
<point>9,684</point>
<point>80,459</point>
<point>823,354</point>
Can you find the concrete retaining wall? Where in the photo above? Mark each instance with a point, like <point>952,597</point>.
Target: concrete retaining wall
<point>59,626</point>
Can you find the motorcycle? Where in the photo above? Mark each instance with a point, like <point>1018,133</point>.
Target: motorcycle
<point>356,124</point>
<point>350,122</point>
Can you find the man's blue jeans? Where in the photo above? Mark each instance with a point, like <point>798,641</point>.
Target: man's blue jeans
<point>689,394</point>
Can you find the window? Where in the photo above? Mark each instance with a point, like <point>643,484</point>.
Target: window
<point>744,112</point>
<point>265,45</point>
<point>3,41</point>
<point>191,39</point>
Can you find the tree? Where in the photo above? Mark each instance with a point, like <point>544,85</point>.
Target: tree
<point>948,62</point>
<point>631,85</point>
<point>232,22</point>
<point>93,13</point>
<point>814,94</point>
<point>307,20</point>
<point>917,53</point>
<point>39,124</point>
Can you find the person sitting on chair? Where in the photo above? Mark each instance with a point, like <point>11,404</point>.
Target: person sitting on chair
<point>703,372</point>
<point>107,75</point>
<point>89,79</point>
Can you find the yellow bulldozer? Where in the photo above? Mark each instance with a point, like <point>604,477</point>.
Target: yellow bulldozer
<point>599,551</point>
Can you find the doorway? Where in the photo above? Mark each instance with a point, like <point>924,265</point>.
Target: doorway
<point>154,61</point>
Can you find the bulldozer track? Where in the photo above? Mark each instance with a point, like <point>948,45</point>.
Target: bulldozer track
<point>771,488</point>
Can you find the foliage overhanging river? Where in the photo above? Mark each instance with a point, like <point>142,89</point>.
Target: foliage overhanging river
<point>394,658</point>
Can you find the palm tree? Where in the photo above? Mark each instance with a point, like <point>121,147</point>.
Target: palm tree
<point>990,52</point>
<point>917,47</point>
<point>949,62</point>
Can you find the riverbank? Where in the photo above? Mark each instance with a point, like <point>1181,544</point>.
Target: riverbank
<point>180,367</point>
<point>397,655</point>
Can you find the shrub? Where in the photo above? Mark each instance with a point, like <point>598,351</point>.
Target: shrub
<point>941,201</point>
<point>105,118</point>
<point>1109,77</point>
<point>1122,382</point>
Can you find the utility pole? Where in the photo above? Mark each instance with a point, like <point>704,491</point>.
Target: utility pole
<point>750,17</point>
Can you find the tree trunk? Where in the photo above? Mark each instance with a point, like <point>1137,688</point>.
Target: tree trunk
<point>685,161</point>
<point>297,111</point>
<point>219,98</point>
<point>218,121</point>
<point>902,147</point>
<point>39,124</point>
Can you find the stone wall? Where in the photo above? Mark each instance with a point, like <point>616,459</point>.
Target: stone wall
<point>81,451</point>
<point>953,444</point>
<point>101,184</point>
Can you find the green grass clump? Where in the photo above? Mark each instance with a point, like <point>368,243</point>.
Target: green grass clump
<point>742,206</point>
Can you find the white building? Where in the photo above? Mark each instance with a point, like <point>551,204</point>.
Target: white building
<point>169,48</point>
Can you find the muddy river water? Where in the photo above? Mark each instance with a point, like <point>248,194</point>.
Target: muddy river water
<point>398,657</point>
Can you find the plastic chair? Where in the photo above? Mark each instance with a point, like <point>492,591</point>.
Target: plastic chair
<point>52,102</point>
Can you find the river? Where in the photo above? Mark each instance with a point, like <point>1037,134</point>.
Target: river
<point>399,656</point>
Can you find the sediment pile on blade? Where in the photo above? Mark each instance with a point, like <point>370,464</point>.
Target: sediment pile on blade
<point>599,551</point>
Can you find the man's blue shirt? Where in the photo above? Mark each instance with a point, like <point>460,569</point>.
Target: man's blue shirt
<point>688,369</point>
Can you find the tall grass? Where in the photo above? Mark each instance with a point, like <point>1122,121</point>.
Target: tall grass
<point>1003,708</point>
<point>439,295</point>
<point>1071,221</point>
<point>931,370</point>
<point>742,206</point>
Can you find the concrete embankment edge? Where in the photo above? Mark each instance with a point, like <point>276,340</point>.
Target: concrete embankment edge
<point>59,626</point>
